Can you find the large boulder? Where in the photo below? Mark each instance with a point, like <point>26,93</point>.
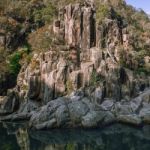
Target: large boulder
<point>132,119</point>
<point>93,119</point>
<point>77,109</point>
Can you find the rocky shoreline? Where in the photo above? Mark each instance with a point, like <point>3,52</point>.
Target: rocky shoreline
<point>77,110</point>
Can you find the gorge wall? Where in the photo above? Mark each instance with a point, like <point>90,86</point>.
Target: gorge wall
<point>90,62</point>
<point>92,57</point>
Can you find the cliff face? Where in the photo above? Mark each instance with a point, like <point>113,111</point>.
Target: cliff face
<point>92,57</point>
<point>55,72</point>
<point>93,60</point>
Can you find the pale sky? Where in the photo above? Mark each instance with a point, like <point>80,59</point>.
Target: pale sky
<point>144,4</point>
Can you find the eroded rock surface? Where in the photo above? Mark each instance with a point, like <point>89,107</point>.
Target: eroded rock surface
<point>65,113</point>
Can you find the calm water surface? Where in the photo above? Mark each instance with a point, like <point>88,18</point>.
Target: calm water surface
<point>117,137</point>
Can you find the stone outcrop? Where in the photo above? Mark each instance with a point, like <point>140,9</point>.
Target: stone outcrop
<point>80,111</point>
<point>77,110</point>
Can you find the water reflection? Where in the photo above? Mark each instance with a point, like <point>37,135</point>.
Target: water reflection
<point>17,136</point>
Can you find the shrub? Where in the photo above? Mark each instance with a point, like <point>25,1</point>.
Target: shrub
<point>44,15</point>
<point>41,40</point>
<point>142,70</point>
<point>14,64</point>
<point>15,59</point>
<point>95,79</point>
<point>102,12</point>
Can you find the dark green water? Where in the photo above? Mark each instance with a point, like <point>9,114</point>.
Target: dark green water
<point>116,137</point>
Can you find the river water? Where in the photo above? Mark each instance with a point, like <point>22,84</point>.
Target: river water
<point>15,136</point>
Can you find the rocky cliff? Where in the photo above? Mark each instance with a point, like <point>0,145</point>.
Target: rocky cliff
<point>91,57</point>
<point>93,70</point>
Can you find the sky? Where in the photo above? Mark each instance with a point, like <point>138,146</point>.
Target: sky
<point>144,4</point>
